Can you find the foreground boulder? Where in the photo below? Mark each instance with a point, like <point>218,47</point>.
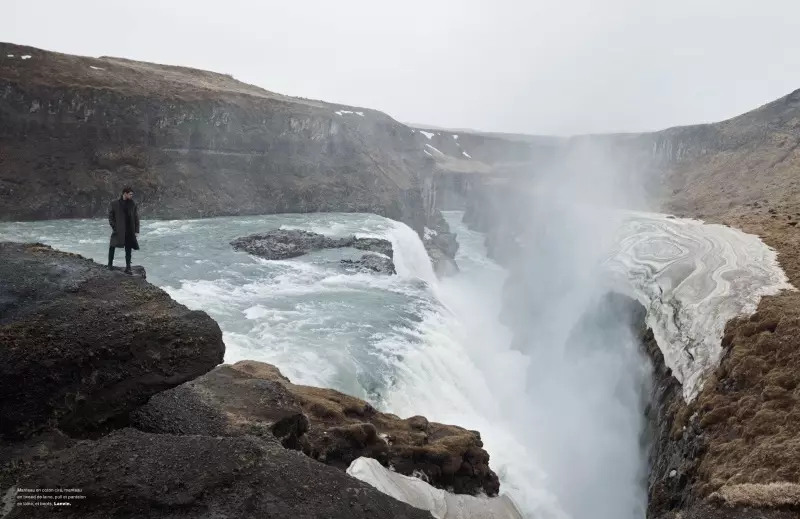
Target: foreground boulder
<point>81,347</point>
<point>130,473</point>
<point>253,398</point>
<point>281,244</point>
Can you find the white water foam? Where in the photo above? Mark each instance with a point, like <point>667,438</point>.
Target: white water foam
<point>410,257</point>
<point>465,373</point>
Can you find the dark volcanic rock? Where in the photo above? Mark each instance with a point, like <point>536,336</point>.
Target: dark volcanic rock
<point>212,404</point>
<point>130,473</point>
<point>378,245</point>
<point>676,445</point>
<point>136,270</point>
<point>441,246</point>
<point>443,265</point>
<point>254,398</point>
<point>16,456</point>
<point>372,263</point>
<point>283,244</point>
<point>81,346</point>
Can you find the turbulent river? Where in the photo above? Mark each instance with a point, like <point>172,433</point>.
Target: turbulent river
<point>560,413</point>
<point>410,344</point>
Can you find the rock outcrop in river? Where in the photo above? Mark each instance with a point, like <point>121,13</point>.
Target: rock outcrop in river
<point>281,244</point>
<point>284,244</point>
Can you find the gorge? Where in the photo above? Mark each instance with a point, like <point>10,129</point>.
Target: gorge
<point>669,398</point>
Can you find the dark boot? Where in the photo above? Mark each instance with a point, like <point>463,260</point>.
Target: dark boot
<point>111,258</point>
<point>128,260</point>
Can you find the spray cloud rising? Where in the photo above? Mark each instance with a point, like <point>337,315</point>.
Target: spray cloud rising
<point>582,411</point>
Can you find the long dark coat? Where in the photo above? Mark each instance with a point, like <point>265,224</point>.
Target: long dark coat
<point>116,219</point>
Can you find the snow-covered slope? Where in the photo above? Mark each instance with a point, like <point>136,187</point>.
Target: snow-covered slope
<point>441,504</point>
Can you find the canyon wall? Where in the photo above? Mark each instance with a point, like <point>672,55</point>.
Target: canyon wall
<point>74,130</point>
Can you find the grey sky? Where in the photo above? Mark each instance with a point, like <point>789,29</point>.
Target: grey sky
<point>532,66</point>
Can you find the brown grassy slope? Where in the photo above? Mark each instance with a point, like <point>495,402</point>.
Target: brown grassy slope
<point>750,407</point>
<point>129,77</point>
<point>752,158</point>
<point>748,177</point>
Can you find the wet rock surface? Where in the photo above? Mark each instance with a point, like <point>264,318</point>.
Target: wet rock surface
<point>371,263</point>
<point>81,346</point>
<point>441,246</point>
<point>281,244</point>
<point>254,398</point>
<point>676,442</point>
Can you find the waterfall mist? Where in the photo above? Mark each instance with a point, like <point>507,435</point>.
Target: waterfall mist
<point>583,409</point>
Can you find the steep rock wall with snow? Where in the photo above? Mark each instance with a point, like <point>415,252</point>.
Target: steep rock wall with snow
<point>74,130</point>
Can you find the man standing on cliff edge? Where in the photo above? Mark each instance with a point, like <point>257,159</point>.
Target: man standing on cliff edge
<point>123,217</point>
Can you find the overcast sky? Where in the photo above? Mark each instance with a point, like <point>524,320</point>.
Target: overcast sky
<point>532,66</point>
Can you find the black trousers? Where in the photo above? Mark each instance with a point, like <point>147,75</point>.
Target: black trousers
<point>127,256</point>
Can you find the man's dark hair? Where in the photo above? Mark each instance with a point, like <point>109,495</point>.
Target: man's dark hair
<point>127,189</point>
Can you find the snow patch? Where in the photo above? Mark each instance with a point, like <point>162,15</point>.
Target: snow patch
<point>10,56</point>
<point>95,68</point>
<point>434,149</point>
<point>430,233</point>
<point>427,134</point>
<point>360,114</point>
<point>427,153</point>
<point>692,278</point>
<point>26,56</point>
<point>342,112</point>
<point>420,494</point>
<point>466,154</point>
<point>455,137</point>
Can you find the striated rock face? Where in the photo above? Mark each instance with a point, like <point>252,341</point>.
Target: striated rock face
<point>719,168</point>
<point>81,346</point>
<point>254,398</point>
<point>675,442</point>
<point>74,130</point>
<point>441,246</point>
<point>134,474</point>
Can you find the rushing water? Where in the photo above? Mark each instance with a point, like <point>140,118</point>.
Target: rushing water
<point>410,343</point>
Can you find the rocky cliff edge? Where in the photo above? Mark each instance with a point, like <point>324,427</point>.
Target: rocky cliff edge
<point>111,387</point>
